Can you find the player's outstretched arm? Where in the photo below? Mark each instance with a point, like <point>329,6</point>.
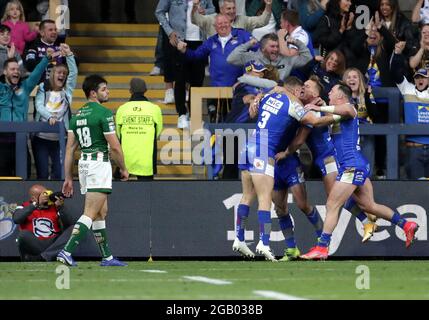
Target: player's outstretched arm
<point>311,119</point>
<point>71,146</point>
<point>345,110</point>
<point>117,155</point>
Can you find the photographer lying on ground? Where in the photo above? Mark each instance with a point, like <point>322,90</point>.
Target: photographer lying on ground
<point>44,225</point>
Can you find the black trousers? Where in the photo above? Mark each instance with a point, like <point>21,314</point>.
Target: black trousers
<point>185,71</point>
<point>32,248</point>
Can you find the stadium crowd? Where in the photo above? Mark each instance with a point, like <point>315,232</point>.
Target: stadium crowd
<point>249,45</point>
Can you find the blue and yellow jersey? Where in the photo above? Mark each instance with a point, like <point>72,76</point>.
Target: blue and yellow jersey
<point>345,135</point>
<point>278,121</point>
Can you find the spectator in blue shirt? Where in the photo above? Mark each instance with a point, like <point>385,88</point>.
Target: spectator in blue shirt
<point>218,48</point>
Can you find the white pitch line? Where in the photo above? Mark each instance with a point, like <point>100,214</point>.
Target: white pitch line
<point>276,295</point>
<point>207,280</point>
<point>153,271</point>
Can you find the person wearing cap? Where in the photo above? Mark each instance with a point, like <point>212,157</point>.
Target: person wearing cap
<point>416,111</point>
<point>138,126</point>
<point>246,89</point>
<point>248,86</point>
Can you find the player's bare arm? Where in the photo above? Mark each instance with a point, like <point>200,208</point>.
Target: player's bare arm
<point>117,155</point>
<point>72,144</point>
<point>311,119</point>
<point>345,110</point>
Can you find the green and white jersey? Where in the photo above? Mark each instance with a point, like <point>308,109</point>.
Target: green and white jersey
<point>89,126</point>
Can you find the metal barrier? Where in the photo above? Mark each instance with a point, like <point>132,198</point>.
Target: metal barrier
<point>22,129</point>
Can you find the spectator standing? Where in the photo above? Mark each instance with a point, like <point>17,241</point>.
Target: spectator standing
<point>14,99</point>
<point>218,47</point>
<point>7,50</point>
<point>374,54</point>
<point>416,106</point>
<point>256,5</point>
<point>138,126</point>
<point>53,103</point>
<point>44,224</point>
<point>271,27</point>
<point>398,24</point>
<point>290,29</point>
<point>421,12</point>
<point>334,26</point>
<point>268,54</point>
<point>329,70</point>
<point>38,48</point>
<point>43,9</point>
<point>227,8</point>
<point>178,27</point>
<point>310,13</point>
<point>14,18</point>
<point>421,58</point>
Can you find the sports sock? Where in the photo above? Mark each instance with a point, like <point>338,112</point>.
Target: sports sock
<point>286,226</point>
<point>79,231</point>
<point>242,217</point>
<point>316,221</point>
<point>264,226</point>
<point>396,219</point>
<point>354,209</point>
<point>324,240</point>
<point>100,234</point>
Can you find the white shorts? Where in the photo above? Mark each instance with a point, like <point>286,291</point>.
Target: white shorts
<point>95,176</point>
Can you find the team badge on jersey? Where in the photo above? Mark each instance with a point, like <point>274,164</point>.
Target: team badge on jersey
<point>259,164</point>
<point>43,227</point>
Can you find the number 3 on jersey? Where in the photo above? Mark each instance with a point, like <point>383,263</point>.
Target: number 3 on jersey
<point>265,116</point>
<point>84,137</point>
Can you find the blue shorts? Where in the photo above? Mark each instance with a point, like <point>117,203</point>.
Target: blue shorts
<point>288,173</point>
<point>353,175</point>
<point>259,165</point>
<point>326,164</point>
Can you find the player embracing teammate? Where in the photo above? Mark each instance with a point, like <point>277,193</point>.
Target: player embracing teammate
<point>280,115</point>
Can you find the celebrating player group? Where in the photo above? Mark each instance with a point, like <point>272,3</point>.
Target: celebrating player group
<point>288,116</point>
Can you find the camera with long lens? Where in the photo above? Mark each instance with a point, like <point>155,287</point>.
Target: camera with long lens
<point>53,196</point>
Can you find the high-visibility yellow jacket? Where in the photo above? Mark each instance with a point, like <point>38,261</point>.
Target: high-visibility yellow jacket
<point>138,126</point>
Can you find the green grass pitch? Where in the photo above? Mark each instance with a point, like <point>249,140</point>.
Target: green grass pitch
<point>165,280</point>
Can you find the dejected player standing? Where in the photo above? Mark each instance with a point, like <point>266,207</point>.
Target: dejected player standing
<point>93,129</point>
